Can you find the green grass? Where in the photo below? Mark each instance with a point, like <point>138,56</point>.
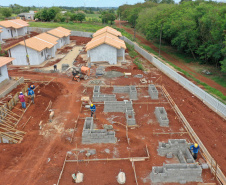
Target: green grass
<point>219,95</point>
<point>93,17</point>
<point>71,26</point>
<point>139,64</point>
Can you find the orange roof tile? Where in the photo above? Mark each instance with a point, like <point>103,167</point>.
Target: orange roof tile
<point>5,60</point>
<point>59,32</point>
<point>108,30</point>
<point>106,38</point>
<point>47,37</point>
<point>14,23</point>
<point>38,42</point>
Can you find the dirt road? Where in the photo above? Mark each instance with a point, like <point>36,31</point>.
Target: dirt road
<point>174,60</point>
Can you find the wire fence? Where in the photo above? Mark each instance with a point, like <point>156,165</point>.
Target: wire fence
<point>211,101</point>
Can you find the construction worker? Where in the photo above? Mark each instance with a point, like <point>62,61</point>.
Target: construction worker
<point>55,67</point>
<point>31,93</point>
<point>32,87</point>
<point>92,109</point>
<point>22,100</point>
<point>195,149</point>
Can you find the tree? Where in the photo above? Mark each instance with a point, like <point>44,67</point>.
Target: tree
<point>81,17</point>
<point>74,17</point>
<point>6,12</point>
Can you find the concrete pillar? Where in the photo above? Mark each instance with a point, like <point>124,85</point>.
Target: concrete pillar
<point>123,55</point>
<point>17,33</point>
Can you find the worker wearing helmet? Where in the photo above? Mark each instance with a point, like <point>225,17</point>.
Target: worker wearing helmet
<point>32,87</point>
<point>92,109</point>
<point>195,149</point>
<point>22,100</point>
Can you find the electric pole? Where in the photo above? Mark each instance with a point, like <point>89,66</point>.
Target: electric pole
<point>160,41</point>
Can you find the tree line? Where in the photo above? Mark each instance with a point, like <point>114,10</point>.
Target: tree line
<point>194,27</point>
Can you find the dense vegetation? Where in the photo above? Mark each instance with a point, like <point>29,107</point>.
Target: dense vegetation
<point>194,27</point>
<point>63,14</point>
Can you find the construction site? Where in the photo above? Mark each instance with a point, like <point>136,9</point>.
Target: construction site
<point>141,132</point>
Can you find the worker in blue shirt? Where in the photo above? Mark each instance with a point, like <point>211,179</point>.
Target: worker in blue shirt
<point>32,87</point>
<point>195,149</point>
<point>93,109</point>
<point>31,93</point>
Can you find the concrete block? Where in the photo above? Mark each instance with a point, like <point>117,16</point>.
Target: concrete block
<point>169,155</point>
<point>161,116</point>
<point>153,92</point>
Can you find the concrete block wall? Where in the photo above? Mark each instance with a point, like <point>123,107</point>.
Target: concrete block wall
<point>96,90</point>
<point>104,97</point>
<point>7,91</point>
<point>126,89</point>
<point>117,106</point>
<point>153,92</point>
<point>133,93</point>
<point>182,172</point>
<point>98,97</point>
<point>91,135</point>
<point>174,146</point>
<point>161,116</point>
<point>121,89</point>
<point>177,173</point>
<point>130,118</point>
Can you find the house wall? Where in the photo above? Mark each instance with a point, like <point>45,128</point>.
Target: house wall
<point>0,36</point>
<point>6,33</point>
<point>67,39</point>
<point>120,52</point>
<point>103,52</point>
<point>51,52</point>
<point>22,31</point>
<point>3,73</point>
<point>14,32</point>
<point>19,53</point>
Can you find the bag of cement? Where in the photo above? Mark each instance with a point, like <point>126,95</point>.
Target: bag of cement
<point>121,179</point>
<point>79,177</point>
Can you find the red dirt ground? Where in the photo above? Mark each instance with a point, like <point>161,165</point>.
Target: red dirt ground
<point>80,40</point>
<point>174,60</point>
<point>39,158</point>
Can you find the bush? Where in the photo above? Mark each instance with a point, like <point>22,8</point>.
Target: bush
<point>139,64</point>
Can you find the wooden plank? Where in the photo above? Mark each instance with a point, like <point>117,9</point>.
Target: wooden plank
<point>58,182</point>
<point>209,159</point>
<point>134,170</point>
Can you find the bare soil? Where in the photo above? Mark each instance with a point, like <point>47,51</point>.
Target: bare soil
<point>40,156</point>
<point>80,40</point>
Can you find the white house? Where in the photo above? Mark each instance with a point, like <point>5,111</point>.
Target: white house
<point>28,16</point>
<point>3,68</point>
<point>63,34</point>
<point>1,34</point>
<point>13,28</point>
<point>106,47</point>
<point>38,49</point>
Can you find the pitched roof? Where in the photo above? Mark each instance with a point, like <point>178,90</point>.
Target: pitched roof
<point>47,37</point>
<point>39,42</point>
<point>108,30</point>
<point>14,23</point>
<point>60,32</point>
<point>5,60</point>
<point>106,38</point>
